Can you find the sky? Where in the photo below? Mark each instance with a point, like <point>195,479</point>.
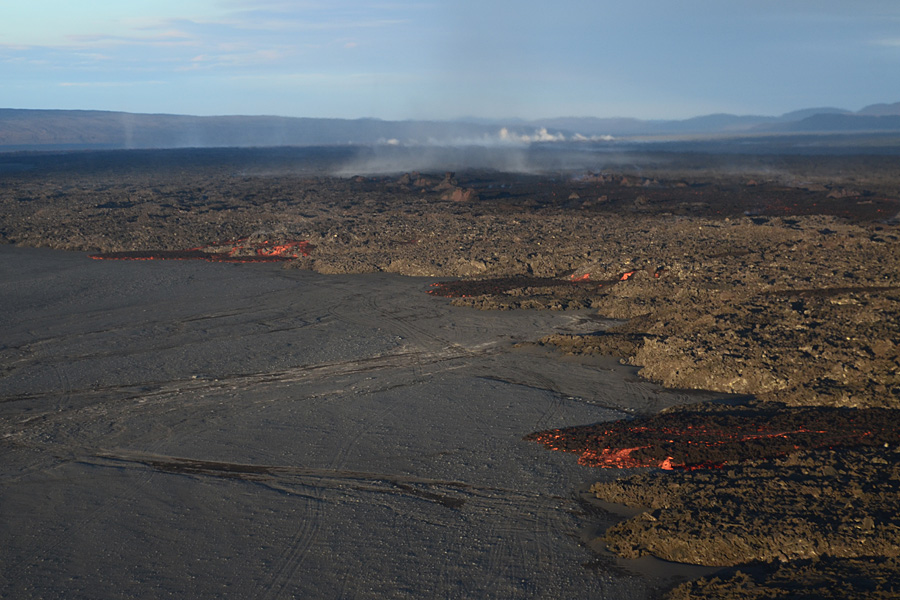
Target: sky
<point>408,59</point>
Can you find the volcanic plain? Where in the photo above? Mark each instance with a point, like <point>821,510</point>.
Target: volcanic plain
<point>771,280</point>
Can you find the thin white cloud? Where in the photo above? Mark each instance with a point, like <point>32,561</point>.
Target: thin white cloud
<point>94,56</point>
<point>277,16</point>
<point>14,47</point>
<point>270,23</point>
<point>234,59</point>
<point>162,38</point>
<point>322,81</point>
<point>22,60</point>
<point>405,6</point>
<point>237,34</point>
<point>286,6</point>
<point>107,84</point>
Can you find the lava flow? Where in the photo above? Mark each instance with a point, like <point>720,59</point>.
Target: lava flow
<point>714,435</point>
<point>480,287</point>
<point>237,251</point>
<point>496,286</point>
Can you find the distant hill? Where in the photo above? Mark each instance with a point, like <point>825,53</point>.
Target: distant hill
<point>881,110</point>
<point>22,129</point>
<point>840,123</point>
<point>55,128</point>
<point>708,124</point>
<point>594,125</point>
<point>798,115</point>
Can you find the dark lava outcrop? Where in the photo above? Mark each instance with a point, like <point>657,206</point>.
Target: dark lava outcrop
<point>793,496</point>
<point>718,435</point>
<point>840,503</point>
<point>828,578</point>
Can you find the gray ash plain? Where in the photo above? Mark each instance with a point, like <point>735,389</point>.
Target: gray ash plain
<point>208,430</point>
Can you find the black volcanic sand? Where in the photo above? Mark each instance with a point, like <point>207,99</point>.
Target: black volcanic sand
<point>776,277</point>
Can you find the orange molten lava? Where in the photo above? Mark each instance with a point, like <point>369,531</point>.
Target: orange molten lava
<point>283,249</point>
<point>237,251</point>
<point>464,288</point>
<point>687,440</point>
<point>607,458</point>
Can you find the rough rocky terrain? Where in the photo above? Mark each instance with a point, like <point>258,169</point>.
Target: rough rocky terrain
<point>838,503</point>
<point>805,498</point>
<point>838,578</point>
<point>768,276</point>
<point>819,524</point>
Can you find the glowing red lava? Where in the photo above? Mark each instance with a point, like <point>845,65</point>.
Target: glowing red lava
<point>237,251</point>
<point>715,436</point>
<point>283,249</point>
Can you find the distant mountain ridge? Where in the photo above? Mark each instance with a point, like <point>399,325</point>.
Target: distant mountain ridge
<point>22,129</point>
<point>881,110</point>
<point>841,123</point>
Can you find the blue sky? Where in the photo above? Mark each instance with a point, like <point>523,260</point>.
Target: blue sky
<point>411,59</point>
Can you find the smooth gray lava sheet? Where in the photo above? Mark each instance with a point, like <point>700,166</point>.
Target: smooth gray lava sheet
<point>196,430</point>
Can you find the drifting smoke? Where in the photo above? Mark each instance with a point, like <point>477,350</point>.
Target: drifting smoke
<point>503,137</point>
<point>388,159</point>
<point>544,136</point>
<point>594,138</point>
<point>541,135</point>
<point>523,151</point>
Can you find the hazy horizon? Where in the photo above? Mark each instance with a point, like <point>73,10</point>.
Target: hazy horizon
<point>452,119</point>
<point>649,59</point>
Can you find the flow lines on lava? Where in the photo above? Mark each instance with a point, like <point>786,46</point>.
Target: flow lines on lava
<point>294,480</point>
